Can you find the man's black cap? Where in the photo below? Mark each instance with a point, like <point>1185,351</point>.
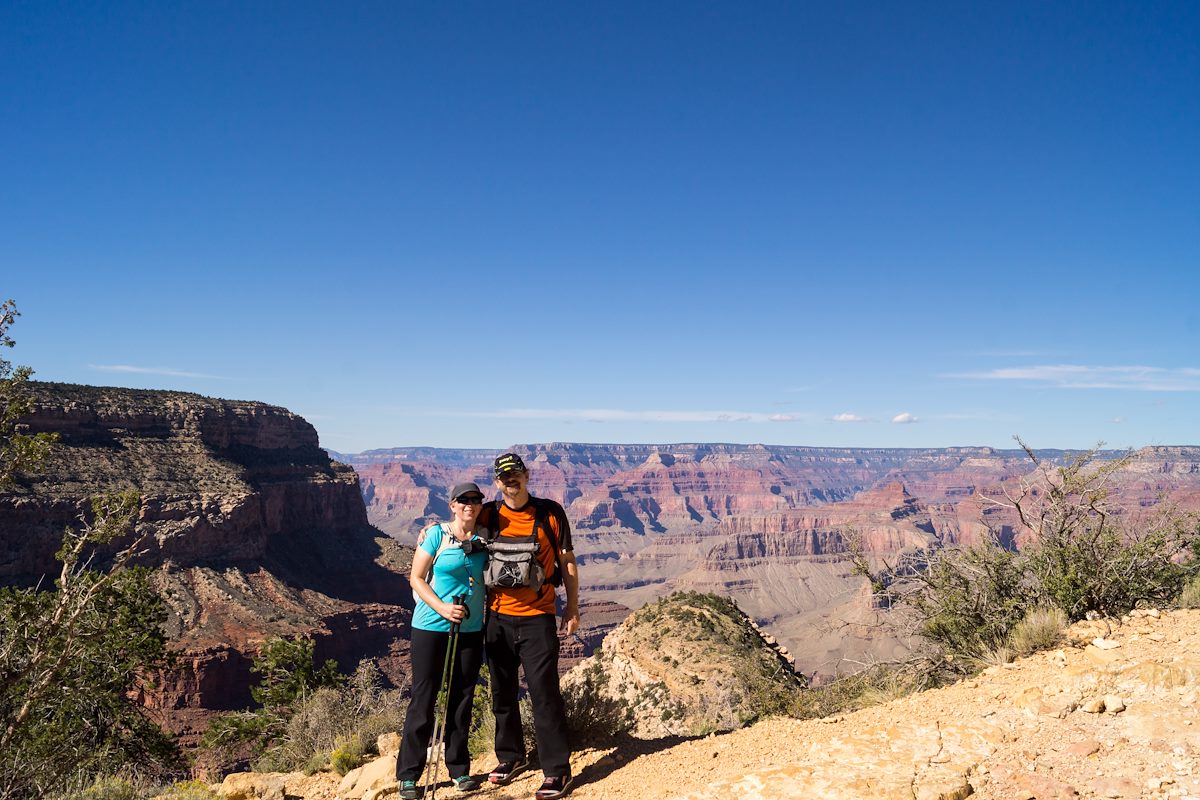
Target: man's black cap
<point>509,462</point>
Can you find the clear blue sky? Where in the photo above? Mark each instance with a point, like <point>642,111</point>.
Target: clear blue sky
<point>476,224</point>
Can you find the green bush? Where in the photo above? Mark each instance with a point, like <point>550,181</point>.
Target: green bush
<point>593,715</point>
<point>482,737</point>
<point>73,657</point>
<point>287,672</point>
<point>347,756</point>
<point>970,599</point>
<point>1083,557</point>
<point>350,717</point>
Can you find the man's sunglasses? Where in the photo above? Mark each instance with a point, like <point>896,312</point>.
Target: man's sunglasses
<point>469,499</point>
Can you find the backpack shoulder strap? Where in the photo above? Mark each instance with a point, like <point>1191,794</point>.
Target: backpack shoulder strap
<point>493,530</point>
<point>443,545</point>
<point>541,518</point>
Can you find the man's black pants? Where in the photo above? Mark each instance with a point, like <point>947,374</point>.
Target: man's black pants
<point>428,661</point>
<point>532,643</point>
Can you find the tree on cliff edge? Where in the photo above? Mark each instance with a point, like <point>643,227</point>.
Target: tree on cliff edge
<point>17,451</point>
<point>70,658</point>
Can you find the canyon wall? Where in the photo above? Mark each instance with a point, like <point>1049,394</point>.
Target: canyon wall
<point>254,532</point>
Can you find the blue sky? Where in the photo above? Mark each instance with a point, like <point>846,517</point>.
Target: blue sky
<point>477,224</point>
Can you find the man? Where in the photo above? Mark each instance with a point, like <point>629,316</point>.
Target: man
<point>520,629</point>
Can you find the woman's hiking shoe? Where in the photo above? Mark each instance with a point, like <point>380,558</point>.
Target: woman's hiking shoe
<point>554,787</point>
<point>467,783</point>
<point>505,771</point>
<point>409,790</point>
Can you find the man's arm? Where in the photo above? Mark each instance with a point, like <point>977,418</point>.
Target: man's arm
<point>570,579</point>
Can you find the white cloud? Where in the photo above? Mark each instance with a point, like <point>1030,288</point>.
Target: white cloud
<point>1117,420</point>
<point>1078,376</point>
<point>620,415</point>
<point>904,418</point>
<point>847,417</point>
<point>782,418</point>
<point>174,373</point>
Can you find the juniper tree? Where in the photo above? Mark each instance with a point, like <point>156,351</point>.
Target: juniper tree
<point>72,655</point>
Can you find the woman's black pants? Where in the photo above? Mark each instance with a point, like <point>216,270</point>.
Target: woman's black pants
<point>428,660</point>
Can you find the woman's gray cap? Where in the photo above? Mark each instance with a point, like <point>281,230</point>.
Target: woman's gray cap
<point>464,488</point>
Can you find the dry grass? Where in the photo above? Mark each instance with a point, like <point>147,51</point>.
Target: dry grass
<point>1040,629</point>
<point>1190,597</point>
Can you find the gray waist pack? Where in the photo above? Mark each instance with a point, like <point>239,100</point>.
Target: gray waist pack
<point>513,563</point>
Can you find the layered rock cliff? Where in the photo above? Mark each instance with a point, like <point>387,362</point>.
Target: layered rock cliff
<point>255,532</point>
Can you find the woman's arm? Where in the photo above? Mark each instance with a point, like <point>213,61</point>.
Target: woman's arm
<point>416,578</point>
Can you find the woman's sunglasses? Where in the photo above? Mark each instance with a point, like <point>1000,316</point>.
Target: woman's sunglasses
<point>469,499</point>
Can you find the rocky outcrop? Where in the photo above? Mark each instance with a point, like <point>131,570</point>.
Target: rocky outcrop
<point>687,664</point>
<point>254,532</point>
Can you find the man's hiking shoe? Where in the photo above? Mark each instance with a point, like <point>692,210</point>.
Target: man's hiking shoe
<point>505,771</point>
<point>467,783</point>
<point>409,790</point>
<point>554,787</point>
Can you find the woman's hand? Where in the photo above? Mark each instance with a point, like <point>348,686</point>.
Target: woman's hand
<point>451,612</point>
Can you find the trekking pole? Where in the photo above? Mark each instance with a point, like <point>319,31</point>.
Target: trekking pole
<point>439,720</point>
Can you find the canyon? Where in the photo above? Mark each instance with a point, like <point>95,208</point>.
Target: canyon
<point>772,527</point>
<point>254,533</point>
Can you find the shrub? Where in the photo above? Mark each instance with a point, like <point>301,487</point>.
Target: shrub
<point>71,659</point>
<point>187,790</point>
<point>968,600</point>
<point>110,787</point>
<point>347,756</point>
<point>1040,629</point>
<point>287,672</point>
<point>1190,596</point>
<point>592,714</point>
<point>876,684</point>
<point>1083,557</point>
<point>482,736</point>
<point>349,718</point>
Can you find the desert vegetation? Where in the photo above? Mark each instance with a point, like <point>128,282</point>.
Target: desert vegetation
<point>308,718</point>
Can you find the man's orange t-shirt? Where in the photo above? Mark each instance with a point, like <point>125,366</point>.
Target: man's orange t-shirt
<point>520,522</point>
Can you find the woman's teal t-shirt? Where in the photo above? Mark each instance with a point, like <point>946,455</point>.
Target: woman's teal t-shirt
<point>454,573</point>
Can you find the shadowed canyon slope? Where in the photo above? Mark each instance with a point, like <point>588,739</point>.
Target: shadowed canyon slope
<point>255,533</point>
<point>768,526</point>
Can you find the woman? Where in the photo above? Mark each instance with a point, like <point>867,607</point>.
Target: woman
<point>448,564</point>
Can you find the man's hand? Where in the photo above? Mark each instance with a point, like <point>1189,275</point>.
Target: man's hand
<point>570,573</point>
<point>570,620</point>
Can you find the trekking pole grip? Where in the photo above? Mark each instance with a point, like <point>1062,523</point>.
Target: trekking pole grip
<point>459,601</point>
